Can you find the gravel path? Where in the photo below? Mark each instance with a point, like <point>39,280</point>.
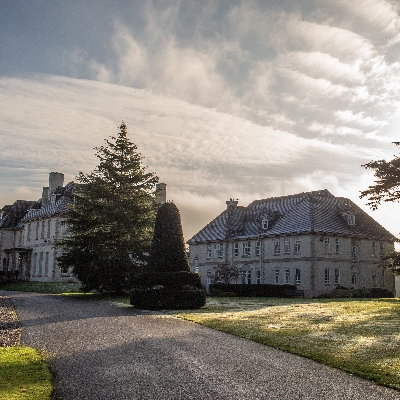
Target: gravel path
<point>98,350</point>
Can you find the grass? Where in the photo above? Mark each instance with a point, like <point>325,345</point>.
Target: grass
<point>42,287</point>
<point>23,374</point>
<point>359,336</point>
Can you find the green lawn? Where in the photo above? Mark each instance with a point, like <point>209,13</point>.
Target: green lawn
<point>23,374</point>
<point>359,336</point>
<point>43,287</point>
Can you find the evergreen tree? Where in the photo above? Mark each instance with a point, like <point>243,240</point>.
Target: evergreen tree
<point>111,219</point>
<point>168,253</point>
<point>386,188</point>
<point>387,184</point>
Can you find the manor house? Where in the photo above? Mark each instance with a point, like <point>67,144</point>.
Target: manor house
<point>30,229</point>
<point>313,240</point>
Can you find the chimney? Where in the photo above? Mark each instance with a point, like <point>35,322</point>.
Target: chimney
<point>232,203</point>
<point>45,195</point>
<point>55,179</point>
<point>161,193</point>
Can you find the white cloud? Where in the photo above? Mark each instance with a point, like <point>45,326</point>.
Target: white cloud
<point>204,156</point>
<point>359,119</point>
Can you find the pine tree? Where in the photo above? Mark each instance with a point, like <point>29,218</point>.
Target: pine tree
<point>111,218</point>
<point>168,253</point>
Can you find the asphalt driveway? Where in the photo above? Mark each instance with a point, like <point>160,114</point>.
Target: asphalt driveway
<point>98,350</point>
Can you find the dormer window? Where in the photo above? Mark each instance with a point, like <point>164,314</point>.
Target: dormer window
<point>264,223</point>
<point>351,219</point>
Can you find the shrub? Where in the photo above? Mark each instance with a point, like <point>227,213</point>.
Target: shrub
<point>170,279</point>
<point>164,298</point>
<point>244,290</point>
<point>364,293</point>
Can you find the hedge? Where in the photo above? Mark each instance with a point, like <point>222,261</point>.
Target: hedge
<point>162,298</point>
<point>251,290</point>
<point>168,279</point>
<point>364,293</point>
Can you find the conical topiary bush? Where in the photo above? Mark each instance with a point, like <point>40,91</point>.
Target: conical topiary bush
<point>168,282</point>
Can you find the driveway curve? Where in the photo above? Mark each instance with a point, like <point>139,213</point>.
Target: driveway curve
<point>97,350</point>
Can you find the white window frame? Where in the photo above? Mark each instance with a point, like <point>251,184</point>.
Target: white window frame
<point>353,252</point>
<point>287,276</point>
<point>327,276</point>
<point>337,246</point>
<point>277,246</point>
<point>297,276</point>
<point>277,275</point>
<point>351,219</point>
<point>209,251</point>
<point>218,250</point>
<point>327,242</point>
<point>236,249</point>
<point>297,246</point>
<point>246,251</point>
<point>286,245</point>
<point>265,223</point>
<point>258,248</point>
<point>337,276</point>
<point>258,277</point>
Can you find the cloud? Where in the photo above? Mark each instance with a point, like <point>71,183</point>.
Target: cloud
<point>52,124</point>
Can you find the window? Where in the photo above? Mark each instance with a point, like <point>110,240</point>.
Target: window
<point>37,230</point>
<point>373,249</point>
<point>258,277</point>
<point>297,245</point>
<point>381,249</point>
<point>374,278</point>
<point>287,276</point>
<point>327,245</point>
<point>351,219</point>
<point>383,277</point>
<point>29,232</point>
<point>265,223</point>
<point>354,279</point>
<point>243,277</point>
<point>286,245</point>
<point>43,228</point>
<point>353,252</point>
<point>46,264</point>
<point>337,246</point>
<point>327,276</point>
<point>258,248</point>
<point>277,276</point>
<point>209,277</point>
<point>209,251</point>
<point>249,277</point>
<point>48,228</point>
<point>277,247</point>
<point>218,250</point>
<point>246,249</point>
<point>297,276</point>
<point>337,276</point>
<point>236,249</point>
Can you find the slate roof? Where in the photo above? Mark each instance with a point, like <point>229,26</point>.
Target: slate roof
<point>58,207</point>
<point>317,212</point>
<point>14,213</point>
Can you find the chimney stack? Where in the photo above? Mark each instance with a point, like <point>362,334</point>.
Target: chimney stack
<point>231,203</point>
<point>55,179</point>
<point>45,195</point>
<point>161,193</point>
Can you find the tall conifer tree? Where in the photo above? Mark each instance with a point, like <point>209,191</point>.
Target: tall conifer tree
<point>111,219</point>
<point>168,253</point>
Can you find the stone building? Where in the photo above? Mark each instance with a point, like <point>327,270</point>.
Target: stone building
<point>30,229</point>
<point>313,240</point>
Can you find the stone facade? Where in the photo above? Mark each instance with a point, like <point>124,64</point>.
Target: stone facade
<point>313,240</point>
<point>29,230</point>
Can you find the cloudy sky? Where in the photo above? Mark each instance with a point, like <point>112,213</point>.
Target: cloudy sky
<point>224,98</point>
